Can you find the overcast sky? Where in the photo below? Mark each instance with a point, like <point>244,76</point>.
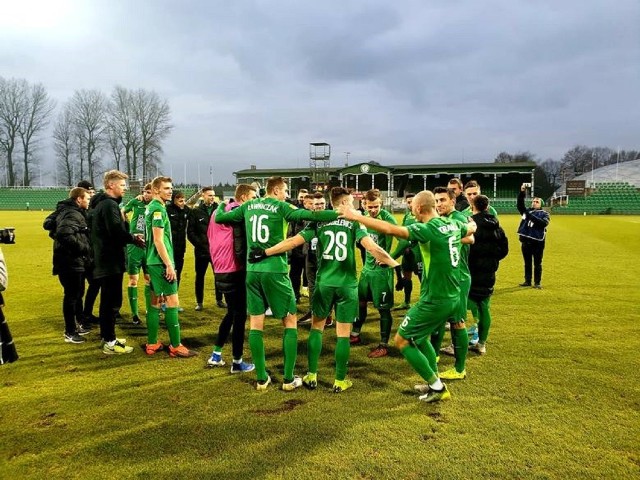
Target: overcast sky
<point>398,82</point>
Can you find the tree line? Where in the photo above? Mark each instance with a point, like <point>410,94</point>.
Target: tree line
<point>92,132</point>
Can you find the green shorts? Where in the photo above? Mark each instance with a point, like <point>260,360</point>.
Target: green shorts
<point>461,314</point>
<point>135,259</point>
<point>270,290</point>
<point>424,318</point>
<point>159,283</point>
<point>377,286</point>
<point>344,298</point>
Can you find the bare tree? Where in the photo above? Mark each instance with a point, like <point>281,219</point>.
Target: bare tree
<point>503,157</point>
<point>37,110</point>
<point>153,116</point>
<point>552,171</point>
<point>89,109</point>
<point>13,94</point>
<point>124,129</point>
<point>64,145</point>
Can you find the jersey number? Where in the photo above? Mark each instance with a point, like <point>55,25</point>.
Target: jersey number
<point>454,253</point>
<point>259,231</point>
<point>337,246</point>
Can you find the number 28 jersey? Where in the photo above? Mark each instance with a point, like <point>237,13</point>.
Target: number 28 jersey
<point>266,221</point>
<point>336,251</point>
<point>440,246</point>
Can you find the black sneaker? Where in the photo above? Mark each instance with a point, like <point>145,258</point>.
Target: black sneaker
<point>83,329</point>
<point>221,304</point>
<point>74,338</point>
<point>136,320</point>
<point>91,318</point>
<point>525,284</point>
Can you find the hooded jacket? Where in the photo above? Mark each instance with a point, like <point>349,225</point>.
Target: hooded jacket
<point>71,248</point>
<point>490,246</point>
<point>533,225</point>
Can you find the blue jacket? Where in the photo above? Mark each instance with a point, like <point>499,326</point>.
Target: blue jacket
<point>533,225</point>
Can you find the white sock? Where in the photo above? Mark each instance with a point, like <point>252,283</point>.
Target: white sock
<point>437,385</point>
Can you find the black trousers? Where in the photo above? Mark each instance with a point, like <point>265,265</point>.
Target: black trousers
<point>297,274</point>
<point>110,302</point>
<point>8,352</point>
<point>90,298</point>
<point>73,285</point>
<point>202,263</point>
<point>532,253</point>
<point>178,258</point>
<point>235,319</point>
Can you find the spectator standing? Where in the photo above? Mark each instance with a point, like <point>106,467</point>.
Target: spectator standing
<point>462,202</point>
<point>109,237</point>
<point>533,233</point>
<point>71,256</point>
<point>197,228</point>
<point>178,217</point>
<point>297,272</point>
<point>490,246</point>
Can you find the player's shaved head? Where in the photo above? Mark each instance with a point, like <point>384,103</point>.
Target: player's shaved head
<point>424,201</point>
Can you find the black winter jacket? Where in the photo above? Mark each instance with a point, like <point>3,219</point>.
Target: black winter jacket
<point>50,222</point>
<point>71,248</point>
<point>197,230</point>
<point>490,246</point>
<point>109,235</point>
<point>178,217</point>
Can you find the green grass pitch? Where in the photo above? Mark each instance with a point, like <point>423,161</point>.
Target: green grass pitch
<point>556,396</point>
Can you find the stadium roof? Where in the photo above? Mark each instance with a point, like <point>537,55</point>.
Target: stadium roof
<point>618,172</point>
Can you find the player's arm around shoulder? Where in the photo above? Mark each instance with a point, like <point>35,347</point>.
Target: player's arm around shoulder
<point>378,252</point>
<point>233,215</point>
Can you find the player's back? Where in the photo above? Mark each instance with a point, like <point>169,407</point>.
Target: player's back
<point>266,225</point>
<point>336,250</point>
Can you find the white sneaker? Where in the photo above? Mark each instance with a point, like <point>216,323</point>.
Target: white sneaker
<point>269,313</point>
<point>296,383</point>
<point>262,386</point>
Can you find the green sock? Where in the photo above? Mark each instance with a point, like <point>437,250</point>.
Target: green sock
<point>147,296</point>
<point>429,353</point>
<point>256,345</point>
<point>314,346</point>
<point>290,349</point>
<point>153,325</point>
<point>385,326</point>
<point>342,357</point>
<point>460,338</point>
<point>484,319</point>
<point>419,363</point>
<point>132,293</point>
<point>437,337</point>
<point>173,325</point>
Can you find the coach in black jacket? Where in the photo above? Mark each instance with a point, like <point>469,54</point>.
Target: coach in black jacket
<point>109,236</point>
<point>197,234</point>
<point>71,257</point>
<point>178,218</point>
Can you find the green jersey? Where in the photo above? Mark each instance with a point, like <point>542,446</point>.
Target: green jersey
<point>156,216</point>
<point>266,221</point>
<point>336,251</point>
<point>402,245</point>
<point>465,248</point>
<point>382,240</point>
<point>137,223</point>
<point>440,245</point>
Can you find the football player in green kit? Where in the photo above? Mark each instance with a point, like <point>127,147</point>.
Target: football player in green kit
<point>411,258</point>
<point>439,240</point>
<point>446,207</point>
<point>162,272</point>
<point>268,282</point>
<point>336,282</point>
<point>136,255</point>
<point>376,280</point>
